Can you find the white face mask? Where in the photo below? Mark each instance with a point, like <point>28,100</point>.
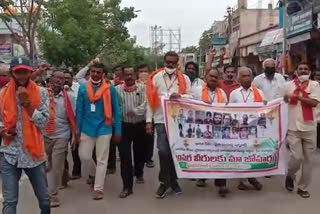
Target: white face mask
<point>95,82</point>
<point>170,70</point>
<point>303,78</point>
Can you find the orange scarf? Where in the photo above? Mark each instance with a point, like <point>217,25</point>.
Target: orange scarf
<point>152,93</point>
<point>256,95</point>
<point>205,94</point>
<point>32,138</point>
<point>307,111</point>
<point>104,93</point>
<point>51,125</point>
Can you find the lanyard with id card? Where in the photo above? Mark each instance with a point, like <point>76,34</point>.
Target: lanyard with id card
<point>93,107</point>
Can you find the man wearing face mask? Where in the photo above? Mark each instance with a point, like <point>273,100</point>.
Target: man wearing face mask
<point>269,82</point>
<point>97,115</point>
<point>303,96</point>
<point>192,71</point>
<point>170,82</point>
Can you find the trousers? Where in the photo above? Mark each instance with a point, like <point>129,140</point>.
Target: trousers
<point>87,145</point>
<point>302,146</point>
<point>167,174</point>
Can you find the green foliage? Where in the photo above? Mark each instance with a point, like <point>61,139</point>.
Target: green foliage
<point>73,32</point>
<point>205,40</point>
<point>189,49</point>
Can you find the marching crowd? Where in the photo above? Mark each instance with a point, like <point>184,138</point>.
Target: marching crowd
<point>93,113</point>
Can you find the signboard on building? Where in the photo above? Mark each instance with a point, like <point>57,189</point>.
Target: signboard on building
<point>5,49</point>
<point>316,6</point>
<point>299,23</point>
<point>219,42</point>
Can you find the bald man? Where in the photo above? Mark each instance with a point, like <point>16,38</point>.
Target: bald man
<point>246,94</point>
<point>269,82</point>
<point>4,74</point>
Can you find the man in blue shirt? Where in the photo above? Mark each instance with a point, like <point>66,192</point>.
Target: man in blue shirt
<point>97,114</point>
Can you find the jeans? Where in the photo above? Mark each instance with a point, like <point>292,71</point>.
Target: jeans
<point>10,186</point>
<point>167,175</point>
<point>134,133</point>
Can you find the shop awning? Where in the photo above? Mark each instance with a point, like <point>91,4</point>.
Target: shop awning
<point>272,38</point>
<point>299,38</point>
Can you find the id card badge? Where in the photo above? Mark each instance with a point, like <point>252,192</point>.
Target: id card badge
<point>92,107</point>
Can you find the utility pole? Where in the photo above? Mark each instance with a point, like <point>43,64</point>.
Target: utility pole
<point>285,24</point>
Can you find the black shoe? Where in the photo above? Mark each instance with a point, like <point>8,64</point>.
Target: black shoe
<point>140,180</point>
<point>242,186</point>
<point>223,191</point>
<point>111,171</point>
<point>255,183</point>
<point>201,183</point>
<point>125,193</point>
<point>303,194</point>
<point>176,188</point>
<point>289,184</point>
<point>75,177</point>
<point>162,191</point>
<point>150,164</point>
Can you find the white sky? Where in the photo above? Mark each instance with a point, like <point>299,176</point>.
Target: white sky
<point>192,16</point>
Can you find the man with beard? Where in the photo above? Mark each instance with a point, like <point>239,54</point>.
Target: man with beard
<point>210,93</point>
<point>58,132</point>
<point>133,105</point>
<point>247,93</point>
<point>171,82</point>
<point>24,113</point>
<point>192,71</point>
<point>97,115</point>
<point>229,83</point>
<point>269,82</point>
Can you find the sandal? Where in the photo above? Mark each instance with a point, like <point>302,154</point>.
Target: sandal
<point>303,194</point>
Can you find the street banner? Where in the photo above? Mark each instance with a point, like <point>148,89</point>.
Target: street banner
<point>226,141</point>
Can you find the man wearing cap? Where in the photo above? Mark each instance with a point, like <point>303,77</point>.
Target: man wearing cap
<point>269,82</point>
<point>24,112</point>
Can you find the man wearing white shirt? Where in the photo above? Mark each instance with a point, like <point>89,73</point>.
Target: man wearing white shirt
<point>269,82</point>
<point>192,71</point>
<point>210,93</point>
<point>247,93</point>
<point>171,82</point>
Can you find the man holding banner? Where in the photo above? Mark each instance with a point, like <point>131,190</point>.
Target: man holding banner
<point>170,82</point>
<point>303,95</point>
<point>247,93</point>
<point>210,93</point>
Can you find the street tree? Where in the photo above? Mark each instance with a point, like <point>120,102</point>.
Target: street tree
<point>73,32</point>
<point>21,17</point>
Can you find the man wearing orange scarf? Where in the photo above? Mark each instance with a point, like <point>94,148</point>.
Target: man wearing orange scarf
<point>170,82</point>
<point>24,112</point>
<point>302,95</point>
<point>58,132</point>
<point>98,116</point>
<point>211,93</point>
<point>247,93</point>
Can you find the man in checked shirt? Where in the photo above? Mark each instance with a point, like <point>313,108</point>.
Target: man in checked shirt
<point>133,108</point>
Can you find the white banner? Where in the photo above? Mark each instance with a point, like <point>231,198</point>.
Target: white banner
<point>226,141</point>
